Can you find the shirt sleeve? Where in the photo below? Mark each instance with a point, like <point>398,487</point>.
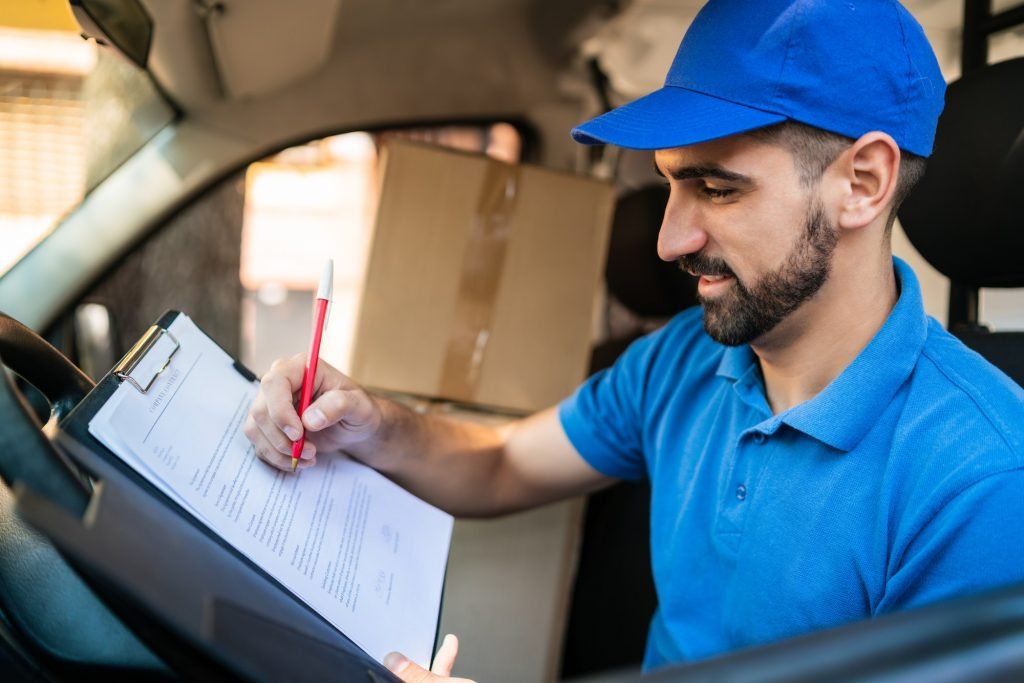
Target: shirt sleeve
<point>969,547</point>
<point>604,417</point>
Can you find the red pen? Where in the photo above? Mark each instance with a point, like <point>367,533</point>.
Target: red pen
<point>320,306</point>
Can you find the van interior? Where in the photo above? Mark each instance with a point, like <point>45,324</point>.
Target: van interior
<point>206,156</point>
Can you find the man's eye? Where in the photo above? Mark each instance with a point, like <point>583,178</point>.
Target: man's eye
<point>715,192</point>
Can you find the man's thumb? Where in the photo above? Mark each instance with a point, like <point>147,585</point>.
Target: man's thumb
<point>407,670</point>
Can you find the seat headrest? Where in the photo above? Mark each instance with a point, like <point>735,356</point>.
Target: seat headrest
<point>966,217</point>
<point>640,280</point>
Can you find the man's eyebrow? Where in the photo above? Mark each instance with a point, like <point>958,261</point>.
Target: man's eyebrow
<point>706,171</point>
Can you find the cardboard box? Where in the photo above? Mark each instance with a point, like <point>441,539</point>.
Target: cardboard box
<point>482,279</point>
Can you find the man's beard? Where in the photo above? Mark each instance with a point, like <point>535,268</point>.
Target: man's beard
<point>743,314</point>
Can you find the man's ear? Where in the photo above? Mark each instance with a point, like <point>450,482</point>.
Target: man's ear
<point>868,171</point>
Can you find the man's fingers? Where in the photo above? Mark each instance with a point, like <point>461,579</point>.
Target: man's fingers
<point>328,377</point>
<point>411,672</point>
<point>444,660</point>
<point>284,461</point>
<point>351,407</point>
<point>277,389</point>
<point>290,368</point>
<point>271,445</point>
<point>408,671</point>
<point>268,433</point>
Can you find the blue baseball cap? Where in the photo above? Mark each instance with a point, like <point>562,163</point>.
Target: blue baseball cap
<point>845,66</point>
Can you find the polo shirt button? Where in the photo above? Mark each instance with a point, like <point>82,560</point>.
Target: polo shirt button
<point>741,492</point>
<point>758,437</point>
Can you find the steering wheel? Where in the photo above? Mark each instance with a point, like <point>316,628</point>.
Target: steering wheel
<point>26,454</point>
<point>54,616</point>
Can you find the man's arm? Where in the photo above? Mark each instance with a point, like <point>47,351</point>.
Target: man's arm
<point>969,544</point>
<point>465,469</point>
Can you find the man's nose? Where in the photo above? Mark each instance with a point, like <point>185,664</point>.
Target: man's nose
<point>681,232</point>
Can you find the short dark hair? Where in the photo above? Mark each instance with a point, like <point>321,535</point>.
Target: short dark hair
<point>814,151</point>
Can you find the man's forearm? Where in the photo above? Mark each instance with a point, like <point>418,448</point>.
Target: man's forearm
<point>457,466</point>
<point>467,469</point>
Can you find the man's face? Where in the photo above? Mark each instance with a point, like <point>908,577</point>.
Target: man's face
<point>739,218</point>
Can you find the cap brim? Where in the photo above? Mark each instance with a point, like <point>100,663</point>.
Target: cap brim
<point>672,117</point>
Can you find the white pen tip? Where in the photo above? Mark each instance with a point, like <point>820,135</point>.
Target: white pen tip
<point>326,281</point>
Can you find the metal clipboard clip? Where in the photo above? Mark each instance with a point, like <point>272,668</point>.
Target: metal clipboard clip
<point>126,368</point>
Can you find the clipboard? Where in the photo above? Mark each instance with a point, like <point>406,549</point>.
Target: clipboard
<point>73,431</point>
<point>206,608</point>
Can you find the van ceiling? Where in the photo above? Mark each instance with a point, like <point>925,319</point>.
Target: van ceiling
<point>252,68</point>
<point>365,58</point>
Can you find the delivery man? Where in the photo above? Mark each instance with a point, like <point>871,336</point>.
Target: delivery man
<point>819,450</point>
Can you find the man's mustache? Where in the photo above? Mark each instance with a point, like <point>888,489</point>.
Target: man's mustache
<point>699,264</point>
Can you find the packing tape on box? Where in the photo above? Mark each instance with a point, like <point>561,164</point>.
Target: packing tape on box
<point>482,266</point>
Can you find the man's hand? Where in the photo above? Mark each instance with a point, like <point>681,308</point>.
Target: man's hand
<point>410,672</point>
<point>341,415</point>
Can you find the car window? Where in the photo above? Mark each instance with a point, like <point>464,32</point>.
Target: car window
<point>244,258</point>
<point>70,113</point>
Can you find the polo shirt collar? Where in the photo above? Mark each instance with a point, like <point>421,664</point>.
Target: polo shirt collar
<point>736,362</point>
<point>843,412</point>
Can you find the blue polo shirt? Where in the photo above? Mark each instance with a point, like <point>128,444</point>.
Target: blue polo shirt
<point>900,483</point>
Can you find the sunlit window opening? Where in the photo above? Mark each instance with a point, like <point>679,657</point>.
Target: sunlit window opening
<point>42,133</point>
<point>303,206</point>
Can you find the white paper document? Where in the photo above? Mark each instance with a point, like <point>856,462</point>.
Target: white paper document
<point>361,551</point>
